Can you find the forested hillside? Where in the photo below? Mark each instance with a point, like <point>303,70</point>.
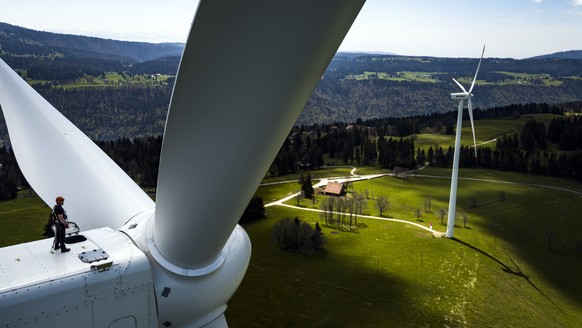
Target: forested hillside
<point>20,46</point>
<point>372,86</point>
<point>113,89</point>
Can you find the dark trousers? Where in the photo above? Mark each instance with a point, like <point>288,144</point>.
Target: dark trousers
<point>61,236</point>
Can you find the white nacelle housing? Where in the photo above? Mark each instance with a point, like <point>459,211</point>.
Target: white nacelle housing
<point>42,289</point>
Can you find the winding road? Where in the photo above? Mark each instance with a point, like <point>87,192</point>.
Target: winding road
<point>354,177</point>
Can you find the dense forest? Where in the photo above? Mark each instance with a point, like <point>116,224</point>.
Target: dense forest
<point>366,86</point>
<point>18,42</point>
<point>372,86</point>
<point>118,94</point>
<point>10,176</point>
<point>387,143</point>
<point>113,113</point>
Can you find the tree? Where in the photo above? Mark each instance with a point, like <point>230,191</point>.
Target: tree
<point>294,235</point>
<point>47,229</point>
<point>442,212</point>
<point>327,207</point>
<point>418,214</point>
<point>382,204</point>
<point>313,201</point>
<point>255,211</point>
<point>306,185</point>
<point>427,204</point>
<point>465,218</point>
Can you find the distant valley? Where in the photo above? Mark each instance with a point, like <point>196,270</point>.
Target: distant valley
<point>113,89</point>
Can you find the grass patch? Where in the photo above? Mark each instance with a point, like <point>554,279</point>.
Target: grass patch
<point>396,273</point>
<point>22,219</point>
<point>502,271</point>
<point>485,131</point>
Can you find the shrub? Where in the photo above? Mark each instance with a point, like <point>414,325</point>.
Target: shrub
<point>293,235</point>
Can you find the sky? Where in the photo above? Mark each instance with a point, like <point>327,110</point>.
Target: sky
<point>444,28</point>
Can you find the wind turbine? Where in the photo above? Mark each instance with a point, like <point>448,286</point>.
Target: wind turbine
<point>461,97</point>
<point>247,71</point>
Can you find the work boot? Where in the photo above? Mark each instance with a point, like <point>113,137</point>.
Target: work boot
<point>64,250</point>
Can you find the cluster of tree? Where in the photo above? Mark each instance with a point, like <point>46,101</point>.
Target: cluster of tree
<point>566,132</point>
<point>254,212</point>
<point>338,98</point>
<point>509,156</point>
<point>61,58</point>
<point>533,136</point>
<point>532,156</point>
<point>367,142</point>
<point>10,175</point>
<point>306,185</point>
<point>345,64</point>
<point>396,153</point>
<point>165,65</point>
<point>362,143</point>
<point>65,70</point>
<point>354,144</point>
<point>30,44</point>
<point>113,113</point>
<point>296,236</point>
<point>342,212</point>
<point>139,158</point>
<point>296,154</point>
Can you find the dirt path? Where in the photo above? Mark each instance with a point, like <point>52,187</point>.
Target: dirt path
<point>354,178</point>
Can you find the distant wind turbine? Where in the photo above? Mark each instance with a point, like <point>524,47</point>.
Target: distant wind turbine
<point>461,97</point>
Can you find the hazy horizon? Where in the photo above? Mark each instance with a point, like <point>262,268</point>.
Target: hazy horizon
<point>449,28</point>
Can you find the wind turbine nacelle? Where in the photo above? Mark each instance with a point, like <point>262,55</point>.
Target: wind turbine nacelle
<point>461,96</point>
<point>104,281</point>
<point>107,281</point>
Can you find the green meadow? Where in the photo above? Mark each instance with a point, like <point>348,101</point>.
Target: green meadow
<point>516,262</point>
<point>485,131</point>
<point>511,78</point>
<point>113,79</point>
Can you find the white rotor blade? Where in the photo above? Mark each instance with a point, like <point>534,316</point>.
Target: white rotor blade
<point>58,159</point>
<point>460,85</point>
<point>477,72</point>
<point>242,83</point>
<point>470,106</point>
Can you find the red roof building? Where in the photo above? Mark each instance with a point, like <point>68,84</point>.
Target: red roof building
<point>335,189</point>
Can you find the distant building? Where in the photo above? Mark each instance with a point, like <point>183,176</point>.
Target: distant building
<point>335,189</point>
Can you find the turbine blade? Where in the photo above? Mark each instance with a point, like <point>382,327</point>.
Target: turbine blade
<point>460,85</point>
<point>470,106</point>
<point>58,159</point>
<point>242,82</point>
<point>477,72</point>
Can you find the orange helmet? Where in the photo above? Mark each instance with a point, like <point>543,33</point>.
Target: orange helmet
<point>60,199</point>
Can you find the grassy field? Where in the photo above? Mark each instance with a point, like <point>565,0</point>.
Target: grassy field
<point>22,219</point>
<point>517,262</point>
<point>501,271</point>
<point>485,130</point>
<point>113,79</point>
<point>542,79</point>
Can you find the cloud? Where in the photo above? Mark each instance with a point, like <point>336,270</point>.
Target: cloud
<point>576,2</point>
<point>537,1</point>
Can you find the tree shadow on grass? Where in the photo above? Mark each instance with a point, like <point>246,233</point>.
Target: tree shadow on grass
<point>514,269</point>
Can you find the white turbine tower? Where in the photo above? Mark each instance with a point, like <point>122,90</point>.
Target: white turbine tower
<point>461,97</point>
<point>247,71</point>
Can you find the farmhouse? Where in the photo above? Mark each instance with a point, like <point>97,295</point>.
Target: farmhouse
<point>335,189</point>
